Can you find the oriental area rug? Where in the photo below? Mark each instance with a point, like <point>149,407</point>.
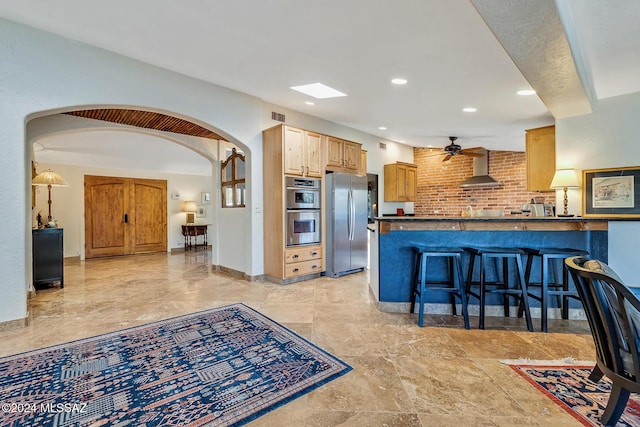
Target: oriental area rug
<point>220,367</point>
<point>569,387</point>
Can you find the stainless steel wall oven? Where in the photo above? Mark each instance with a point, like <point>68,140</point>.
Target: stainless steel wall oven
<point>303,211</point>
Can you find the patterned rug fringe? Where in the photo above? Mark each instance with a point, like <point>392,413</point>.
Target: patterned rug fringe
<point>564,361</point>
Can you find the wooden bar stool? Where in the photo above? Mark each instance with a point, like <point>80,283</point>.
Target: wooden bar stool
<point>453,281</point>
<point>561,289</point>
<point>498,286</point>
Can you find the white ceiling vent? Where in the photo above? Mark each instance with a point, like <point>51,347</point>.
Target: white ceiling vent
<point>383,146</point>
<point>277,116</point>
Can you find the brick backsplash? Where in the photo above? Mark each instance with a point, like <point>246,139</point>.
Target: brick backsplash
<point>439,192</point>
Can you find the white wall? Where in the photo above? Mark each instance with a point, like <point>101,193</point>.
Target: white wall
<point>605,138</point>
<point>44,74</point>
<point>68,202</point>
<point>376,158</point>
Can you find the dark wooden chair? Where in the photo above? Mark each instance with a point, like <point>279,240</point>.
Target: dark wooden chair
<point>613,312</point>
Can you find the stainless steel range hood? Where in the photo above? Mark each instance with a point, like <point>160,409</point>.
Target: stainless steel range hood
<point>480,176</point>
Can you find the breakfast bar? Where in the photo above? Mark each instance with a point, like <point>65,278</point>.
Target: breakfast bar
<point>392,254</point>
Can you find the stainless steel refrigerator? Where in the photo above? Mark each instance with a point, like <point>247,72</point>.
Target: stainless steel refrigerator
<point>346,219</point>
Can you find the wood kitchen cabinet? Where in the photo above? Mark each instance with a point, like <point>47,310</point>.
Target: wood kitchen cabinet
<point>285,151</point>
<point>363,163</point>
<point>302,152</point>
<point>541,157</point>
<point>400,182</point>
<point>343,156</point>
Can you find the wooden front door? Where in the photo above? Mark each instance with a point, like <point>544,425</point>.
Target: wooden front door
<point>124,216</point>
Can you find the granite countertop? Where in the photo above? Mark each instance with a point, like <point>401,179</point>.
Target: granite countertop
<point>408,218</point>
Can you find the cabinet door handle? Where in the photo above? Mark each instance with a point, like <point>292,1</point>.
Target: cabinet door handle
<point>313,267</point>
<point>126,218</point>
<point>295,256</point>
<point>307,170</point>
<point>314,253</point>
<point>295,270</point>
<point>302,168</point>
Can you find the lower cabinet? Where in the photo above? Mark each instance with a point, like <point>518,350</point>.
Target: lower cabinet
<point>303,260</point>
<point>48,257</point>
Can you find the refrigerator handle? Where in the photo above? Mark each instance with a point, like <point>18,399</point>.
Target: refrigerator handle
<point>349,214</point>
<point>352,215</point>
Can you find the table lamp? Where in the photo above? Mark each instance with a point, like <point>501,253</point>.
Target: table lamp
<point>50,179</point>
<point>190,208</point>
<point>564,179</point>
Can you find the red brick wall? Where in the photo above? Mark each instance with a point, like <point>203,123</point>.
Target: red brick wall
<point>439,192</point>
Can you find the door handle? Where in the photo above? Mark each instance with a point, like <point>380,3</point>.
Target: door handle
<point>126,218</point>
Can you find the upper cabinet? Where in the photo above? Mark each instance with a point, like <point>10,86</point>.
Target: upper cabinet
<point>302,152</point>
<point>363,162</point>
<point>400,182</point>
<point>343,156</point>
<point>541,157</point>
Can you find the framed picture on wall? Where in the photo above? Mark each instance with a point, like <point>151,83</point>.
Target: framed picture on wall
<point>611,192</point>
<point>205,198</point>
<point>201,212</point>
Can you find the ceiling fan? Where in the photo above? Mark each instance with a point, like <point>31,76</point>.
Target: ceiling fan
<point>454,149</point>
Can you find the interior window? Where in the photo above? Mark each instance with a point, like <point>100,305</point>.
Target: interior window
<point>233,180</point>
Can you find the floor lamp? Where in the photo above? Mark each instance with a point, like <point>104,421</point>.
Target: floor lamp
<point>50,179</point>
<point>564,179</point>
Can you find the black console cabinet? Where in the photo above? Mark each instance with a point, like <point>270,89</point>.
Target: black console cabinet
<point>48,257</point>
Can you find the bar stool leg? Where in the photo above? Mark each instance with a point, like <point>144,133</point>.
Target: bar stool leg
<point>423,276</point>
<point>544,297</point>
<point>463,295</point>
<point>482,292</point>
<point>565,288</point>
<point>452,283</point>
<point>525,294</point>
<point>505,281</point>
<point>416,277</point>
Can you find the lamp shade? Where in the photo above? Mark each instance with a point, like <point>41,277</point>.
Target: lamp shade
<point>565,178</point>
<point>49,177</point>
<point>189,206</point>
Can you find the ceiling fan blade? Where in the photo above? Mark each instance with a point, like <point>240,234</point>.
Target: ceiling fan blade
<point>437,154</point>
<point>446,158</point>
<point>471,149</point>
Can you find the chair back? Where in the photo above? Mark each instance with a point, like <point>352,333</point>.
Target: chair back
<point>613,312</point>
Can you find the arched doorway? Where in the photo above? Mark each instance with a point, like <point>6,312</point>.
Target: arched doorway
<point>169,129</point>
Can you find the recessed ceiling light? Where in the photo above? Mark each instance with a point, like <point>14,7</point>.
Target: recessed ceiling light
<point>382,128</point>
<point>319,91</point>
<point>309,103</point>
<point>469,110</point>
<point>399,81</point>
<point>526,92</point>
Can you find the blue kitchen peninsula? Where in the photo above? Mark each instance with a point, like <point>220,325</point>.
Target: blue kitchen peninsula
<point>392,256</point>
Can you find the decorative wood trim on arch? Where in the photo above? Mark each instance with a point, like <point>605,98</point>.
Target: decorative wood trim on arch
<point>147,120</point>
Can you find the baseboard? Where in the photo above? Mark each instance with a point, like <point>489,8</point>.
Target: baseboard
<point>237,274</point>
<point>292,280</point>
<point>12,325</point>
<point>490,310</point>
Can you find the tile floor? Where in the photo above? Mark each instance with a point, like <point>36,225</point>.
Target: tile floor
<point>439,375</point>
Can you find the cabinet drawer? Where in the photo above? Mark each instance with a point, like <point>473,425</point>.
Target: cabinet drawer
<point>302,254</point>
<point>302,268</point>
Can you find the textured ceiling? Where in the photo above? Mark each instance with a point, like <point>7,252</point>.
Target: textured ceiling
<point>446,50</point>
<point>532,34</point>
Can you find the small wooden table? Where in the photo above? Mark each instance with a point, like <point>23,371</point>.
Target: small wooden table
<point>192,230</point>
